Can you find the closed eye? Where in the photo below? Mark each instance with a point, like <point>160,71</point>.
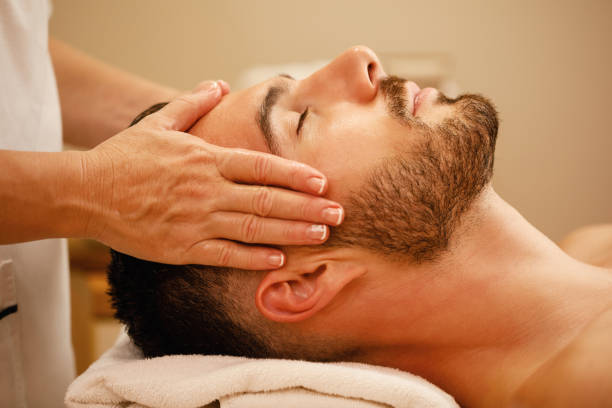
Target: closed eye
<point>301,121</point>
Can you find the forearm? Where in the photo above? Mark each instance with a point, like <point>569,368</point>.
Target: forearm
<point>98,100</point>
<point>43,195</point>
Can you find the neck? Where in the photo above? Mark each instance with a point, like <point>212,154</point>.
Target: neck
<point>481,321</point>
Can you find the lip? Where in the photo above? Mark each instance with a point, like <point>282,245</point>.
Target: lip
<point>413,91</point>
<point>419,98</point>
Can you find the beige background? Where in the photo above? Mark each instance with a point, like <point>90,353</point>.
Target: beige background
<point>546,64</point>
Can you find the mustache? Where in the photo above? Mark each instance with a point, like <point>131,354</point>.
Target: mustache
<point>472,109</point>
<point>394,90</point>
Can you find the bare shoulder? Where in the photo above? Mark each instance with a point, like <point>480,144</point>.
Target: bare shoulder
<point>579,376</point>
<point>591,244</point>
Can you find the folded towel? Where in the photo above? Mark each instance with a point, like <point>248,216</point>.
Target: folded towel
<point>122,377</point>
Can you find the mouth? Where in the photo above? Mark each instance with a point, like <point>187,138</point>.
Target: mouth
<point>419,98</point>
<point>405,98</point>
<point>413,93</point>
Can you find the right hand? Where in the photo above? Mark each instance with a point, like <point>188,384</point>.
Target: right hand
<point>167,196</point>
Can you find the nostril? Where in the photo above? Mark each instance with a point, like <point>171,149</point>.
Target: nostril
<point>371,67</point>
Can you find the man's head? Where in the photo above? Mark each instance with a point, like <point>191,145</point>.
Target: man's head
<point>405,163</point>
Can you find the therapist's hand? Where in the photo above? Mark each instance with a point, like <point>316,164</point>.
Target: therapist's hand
<point>163,195</point>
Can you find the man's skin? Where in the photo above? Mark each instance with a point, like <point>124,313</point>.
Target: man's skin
<point>591,244</point>
<point>585,360</point>
<point>503,318</point>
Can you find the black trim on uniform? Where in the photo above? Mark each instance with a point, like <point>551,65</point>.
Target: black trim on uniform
<point>8,311</point>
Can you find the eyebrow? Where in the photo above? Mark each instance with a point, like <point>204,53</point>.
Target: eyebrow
<point>263,116</point>
<point>287,76</point>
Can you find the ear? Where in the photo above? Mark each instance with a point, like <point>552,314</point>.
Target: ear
<point>295,293</point>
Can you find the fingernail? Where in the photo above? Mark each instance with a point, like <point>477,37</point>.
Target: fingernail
<point>333,215</point>
<point>208,87</point>
<point>214,87</point>
<point>316,184</point>
<point>276,260</point>
<point>318,232</point>
<point>223,84</point>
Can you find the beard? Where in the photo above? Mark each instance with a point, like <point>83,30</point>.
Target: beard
<point>468,136</point>
<point>411,204</point>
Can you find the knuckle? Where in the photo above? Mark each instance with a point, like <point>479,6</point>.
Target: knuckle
<point>214,200</point>
<point>206,153</point>
<point>291,234</point>
<point>295,173</point>
<point>263,166</point>
<point>222,159</point>
<point>305,210</point>
<point>251,228</point>
<point>187,100</point>
<point>163,121</point>
<point>249,259</point>
<point>159,120</point>
<point>262,202</point>
<point>224,255</point>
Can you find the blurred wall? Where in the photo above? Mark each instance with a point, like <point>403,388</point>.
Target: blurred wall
<point>546,64</point>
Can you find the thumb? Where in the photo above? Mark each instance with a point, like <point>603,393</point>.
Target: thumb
<point>181,113</point>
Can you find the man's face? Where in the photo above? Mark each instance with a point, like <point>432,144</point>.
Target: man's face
<point>405,163</point>
<point>337,120</point>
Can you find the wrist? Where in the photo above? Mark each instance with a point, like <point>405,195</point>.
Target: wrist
<point>76,195</point>
<point>47,195</point>
<point>92,195</point>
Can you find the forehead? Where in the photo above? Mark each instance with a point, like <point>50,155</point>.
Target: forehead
<point>232,123</point>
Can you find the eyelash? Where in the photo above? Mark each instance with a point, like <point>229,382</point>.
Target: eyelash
<point>301,120</point>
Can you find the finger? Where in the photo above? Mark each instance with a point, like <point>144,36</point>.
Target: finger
<point>225,88</point>
<point>181,113</point>
<point>261,168</point>
<point>279,203</point>
<point>219,252</point>
<point>251,228</point>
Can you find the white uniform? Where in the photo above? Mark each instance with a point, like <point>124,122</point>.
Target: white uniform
<point>36,359</point>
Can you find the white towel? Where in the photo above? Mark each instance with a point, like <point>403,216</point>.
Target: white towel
<point>122,377</point>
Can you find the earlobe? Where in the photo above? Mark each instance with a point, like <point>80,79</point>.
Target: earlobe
<point>294,294</point>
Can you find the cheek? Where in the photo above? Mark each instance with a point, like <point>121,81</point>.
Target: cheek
<point>355,140</point>
<point>345,151</point>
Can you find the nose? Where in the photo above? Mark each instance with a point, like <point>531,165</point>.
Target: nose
<point>353,75</point>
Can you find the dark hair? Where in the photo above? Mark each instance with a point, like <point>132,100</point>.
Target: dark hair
<point>177,309</point>
<point>407,209</point>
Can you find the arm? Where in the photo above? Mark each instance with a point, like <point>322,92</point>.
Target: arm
<point>42,195</point>
<point>157,193</point>
<point>98,101</point>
